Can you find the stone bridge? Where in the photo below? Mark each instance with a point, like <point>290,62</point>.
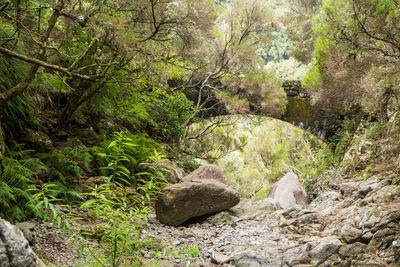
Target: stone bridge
<point>299,111</point>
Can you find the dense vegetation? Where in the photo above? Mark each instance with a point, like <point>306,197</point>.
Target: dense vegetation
<point>111,89</point>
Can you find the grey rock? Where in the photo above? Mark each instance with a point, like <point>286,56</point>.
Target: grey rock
<point>350,234</point>
<point>351,250</point>
<point>370,223</point>
<point>296,256</point>
<point>327,196</point>
<point>384,232</point>
<point>206,172</point>
<point>348,188</point>
<point>28,229</point>
<point>248,260</point>
<point>366,237</point>
<point>324,249</point>
<point>288,191</point>
<point>19,253</point>
<point>219,258</point>
<point>172,173</point>
<point>3,255</point>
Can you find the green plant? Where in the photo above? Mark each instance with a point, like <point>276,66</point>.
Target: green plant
<point>376,130</point>
<point>43,201</point>
<point>68,163</point>
<point>64,166</point>
<point>18,169</point>
<point>120,156</point>
<point>188,163</point>
<point>184,253</point>
<point>17,114</point>
<point>120,226</point>
<point>150,183</point>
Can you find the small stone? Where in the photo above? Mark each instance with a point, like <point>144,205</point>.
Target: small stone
<point>350,234</point>
<point>370,223</point>
<point>219,258</point>
<point>324,249</point>
<point>366,237</point>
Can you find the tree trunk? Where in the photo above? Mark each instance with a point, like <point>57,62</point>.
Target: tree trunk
<point>76,100</point>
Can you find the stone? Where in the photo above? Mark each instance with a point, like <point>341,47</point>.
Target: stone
<point>28,229</point>
<point>38,140</point>
<point>206,172</point>
<point>329,195</point>
<point>172,173</point>
<point>219,258</point>
<point>370,222</point>
<point>350,234</point>
<point>18,253</point>
<point>4,262</point>
<point>249,260</point>
<point>326,247</point>
<point>202,192</point>
<point>71,142</point>
<point>367,237</point>
<point>92,182</point>
<point>351,250</point>
<point>288,191</point>
<point>296,256</point>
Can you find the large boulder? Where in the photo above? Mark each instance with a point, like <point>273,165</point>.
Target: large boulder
<point>288,191</point>
<point>202,192</point>
<point>14,248</point>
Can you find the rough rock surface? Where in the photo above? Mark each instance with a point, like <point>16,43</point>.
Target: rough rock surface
<point>288,191</point>
<point>14,248</point>
<point>38,140</point>
<point>202,192</point>
<point>354,223</point>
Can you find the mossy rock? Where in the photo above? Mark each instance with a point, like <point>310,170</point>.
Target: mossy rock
<point>38,140</point>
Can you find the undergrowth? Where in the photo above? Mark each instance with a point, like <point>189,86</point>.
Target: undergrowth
<point>18,170</point>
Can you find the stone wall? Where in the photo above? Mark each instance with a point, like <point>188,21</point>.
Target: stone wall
<point>300,112</point>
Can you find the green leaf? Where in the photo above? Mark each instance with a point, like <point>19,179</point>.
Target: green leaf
<point>112,144</point>
<point>88,203</point>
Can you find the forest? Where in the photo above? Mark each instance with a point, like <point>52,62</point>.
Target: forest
<point>102,102</point>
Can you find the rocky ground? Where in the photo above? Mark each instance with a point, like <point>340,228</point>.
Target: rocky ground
<point>353,223</point>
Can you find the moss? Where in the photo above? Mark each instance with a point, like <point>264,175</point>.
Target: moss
<point>298,111</point>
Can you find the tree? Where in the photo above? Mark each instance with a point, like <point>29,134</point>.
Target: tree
<point>357,54</point>
<point>299,27</point>
<point>89,44</point>
<point>225,63</point>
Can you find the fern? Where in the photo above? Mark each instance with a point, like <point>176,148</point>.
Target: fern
<point>64,165</point>
<point>15,184</point>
